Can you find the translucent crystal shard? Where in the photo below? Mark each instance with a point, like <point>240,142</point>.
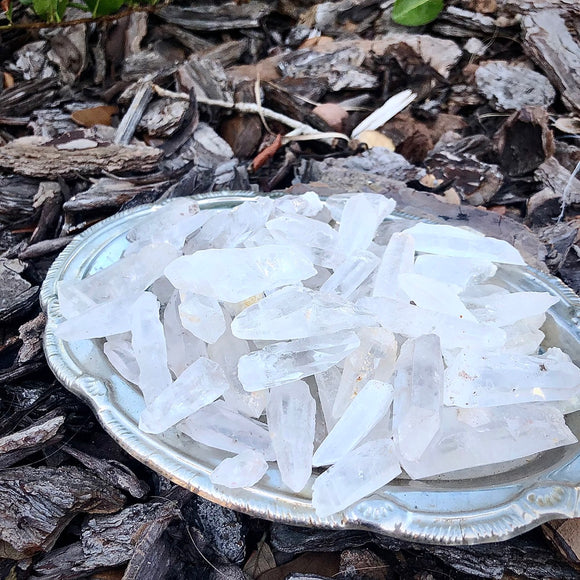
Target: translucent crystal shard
<point>238,273</point>
<point>308,204</point>
<point>473,437</point>
<point>286,362</point>
<point>360,219</point>
<point>198,385</point>
<point>296,312</point>
<point>358,474</point>
<point>328,382</point>
<point>217,426</point>
<point>202,316</point>
<point>347,277</point>
<point>149,346</point>
<point>291,414</point>
<point>368,408</point>
<point>119,352</point>
<point>458,271</point>
<point>373,359</point>
<point>418,395</point>
<point>243,470</point>
<point>398,258</point>
<point>457,242</point>
<point>524,336</point>
<point>482,379</point>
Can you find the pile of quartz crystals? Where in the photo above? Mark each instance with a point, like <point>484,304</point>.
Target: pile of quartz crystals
<point>269,333</point>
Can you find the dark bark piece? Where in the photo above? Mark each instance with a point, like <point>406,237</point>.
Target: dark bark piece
<point>25,97</point>
<point>363,564</point>
<point>567,155</point>
<point>524,141</point>
<point>553,175</point>
<point>30,334</point>
<point>294,539</point>
<point>227,53</point>
<point>565,536</point>
<point>50,198</point>
<point>243,134</point>
<point>36,504</point>
<point>570,269</point>
<point>163,117</point>
<point>456,21</point>
<point>17,296</point>
<point>543,207</point>
<point>16,199</point>
<point>228,571</point>
<point>549,42</point>
<point>33,157</point>
<point>44,248</point>
<point>558,239</point>
<point>134,113</point>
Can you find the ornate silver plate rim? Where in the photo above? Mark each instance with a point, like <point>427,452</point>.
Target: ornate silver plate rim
<point>481,506</point>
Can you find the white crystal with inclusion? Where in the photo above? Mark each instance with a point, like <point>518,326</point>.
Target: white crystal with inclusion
<point>149,346</point>
<point>286,362</point>
<point>447,240</point>
<point>419,386</point>
<point>483,436</point>
<point>243,470</point>
<point>234,274</point>
<point>458,271</point>
<point>291,414</point>
<point>373,359</point>
<point>480,379</point>
<point>216,425</point>
<point>355,269</point>
<point>360,219</point>
<point>357,475</point>
<point>296,312</point>
<point>366,410</point>
<point>398,258</point>
<point>119,352</point>
<point>198,385</point>
<point>202,316</point>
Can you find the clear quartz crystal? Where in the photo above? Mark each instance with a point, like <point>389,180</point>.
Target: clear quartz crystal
<point>328,382</point>
<point>119,352</point>
<point>202,316</point>
<point>355,269</point>
<point>291,415</point>
<point>286,362</point>
<point>355,476</point>
<point>452,270</point>
<point>235,274</point>
<point>366,410</point>
<point>198,385</point>
<point>419,394</point>
<point>398,258</point>
<point>308,204</point>
<point>243,470</point>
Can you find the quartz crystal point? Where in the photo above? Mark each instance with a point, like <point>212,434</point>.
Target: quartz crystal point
<point>481,379</point>
<point>419,395</point>
<point>412,321</point>
<point>202,316</point>
<point>149,346</point>
<point>373,359</point>
<point>198,385</point>
<point>235,274</point>
<point>291,415</point>
<point>119,352</point>
<point>458,271</point>
<point>358,474</point>
<point>286,362</point>
<point>347,277</point>
<point>297,312</point>
<point>308,204</point>
<point>524,336</point>
<point>453,241</point>
<point>360,219</point>
<point>368,408</point>
<point>473,437</point>
<point>398,258</point>
<point>130,275</point>
<point>328,382</point>
<point>243,470</point>
<point>215,425</point>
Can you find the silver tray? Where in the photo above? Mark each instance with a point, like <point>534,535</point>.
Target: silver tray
<point>482,505</point>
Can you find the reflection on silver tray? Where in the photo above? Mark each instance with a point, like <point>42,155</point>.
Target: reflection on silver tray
<point>484,505</point>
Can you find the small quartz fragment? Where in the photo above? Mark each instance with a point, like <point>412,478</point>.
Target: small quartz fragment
<point>328,382</point>
<point>198,385</point>
<point>119,352</point>
<point>525,336</point>
<point>419,395</point>
<point>355,269</point>
<point>286,362</point>
<point>358,474</point>
<point>235,274</point>
<point>458,271</point>
<point>202,316</point>
<point>308,204</point>
<point>398,258</point>
<point>243,470</point>
<point>291,420</point>
<point>366,410</point>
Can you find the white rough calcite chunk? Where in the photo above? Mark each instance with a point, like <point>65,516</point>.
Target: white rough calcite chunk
<point>296,312</point>
<point>366,410</point>
<point>291,415</point>
<point>481,379</point>
<point>198,385</point>
<point>149,346</point>
<point>358,474</point>
<point>119,352</point>
<point>355,269</point>
<point>373,359</point>
<point>474,437</point>
<point>419,394</point>
<point>360,219</point>
<point>202,316</point>
<point>286,362</point>
<point>398,258</point>
<point>453,241</point>
<point>235,274</point>
<point>215,425</point>
<point>243,470</point>
<point>458,271</point>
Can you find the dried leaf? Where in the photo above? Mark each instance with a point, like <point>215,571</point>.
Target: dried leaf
<point>8,80</point>
<point>261,560</point>
<point>332,114</point>
<point>376,139</point>
<point>570,125</point>
<point>94,115</point>
<point>321,563</point>
<point>266,154</point>
<point>416,12</point>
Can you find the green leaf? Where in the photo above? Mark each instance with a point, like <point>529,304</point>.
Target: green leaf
<point>103,7</point>
<point>416,12</point>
